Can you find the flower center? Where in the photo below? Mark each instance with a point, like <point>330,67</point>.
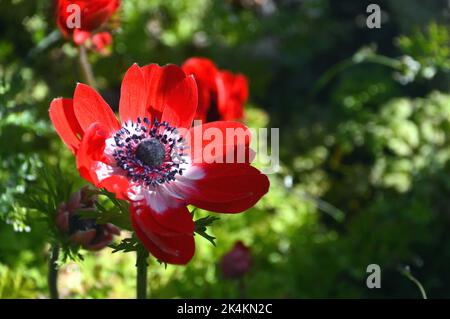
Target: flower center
<point>151,152</point>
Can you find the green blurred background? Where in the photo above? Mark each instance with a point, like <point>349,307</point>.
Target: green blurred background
<point>364,118</point>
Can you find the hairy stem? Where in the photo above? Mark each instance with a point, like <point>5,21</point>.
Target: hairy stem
<point>141,278</point>
<point>53,272</point>
<point>86,67</point>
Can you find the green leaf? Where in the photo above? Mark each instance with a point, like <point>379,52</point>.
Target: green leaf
<point>201,227</point>
<point>126,245</point>
<point>118,214</point>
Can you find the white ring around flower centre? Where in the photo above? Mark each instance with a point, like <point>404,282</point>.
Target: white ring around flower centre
<point>161,196</point>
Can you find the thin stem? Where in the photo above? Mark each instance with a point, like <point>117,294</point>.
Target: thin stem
<point>407,273</point>
<point>330,74</point>
<point>43,45</point>
<point>53,272</point>
<point>86,67</point>
<point>384,60</point>
<point>242,288</point>
<point>337,214</point>
<point>141,278</point>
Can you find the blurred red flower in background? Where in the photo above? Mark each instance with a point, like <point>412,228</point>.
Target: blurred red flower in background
<point>237,262</point>
<point>222,94</point>
<point>144,159</point>
<point>93,15</point>
<point>101,42</point>
<point>83,231</point>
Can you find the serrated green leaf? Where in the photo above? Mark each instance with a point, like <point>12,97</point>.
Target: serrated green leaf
<point>201,226</point>
<point>126,245</point>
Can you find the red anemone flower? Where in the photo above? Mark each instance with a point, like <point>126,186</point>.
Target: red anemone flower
<point>222,94</point>
<point>93,14</point>
<point>155,159</point>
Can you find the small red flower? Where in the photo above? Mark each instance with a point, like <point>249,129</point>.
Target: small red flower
<point>83,231</point>
<point>222,94</point>
<point>153,158</point>
<point>101,42</point>
<point>93,14</point>
<point>237,262</point>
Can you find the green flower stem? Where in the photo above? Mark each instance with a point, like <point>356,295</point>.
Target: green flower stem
<point>53,272</point>
<point>86,67</point>
<point>141,278</point>
<point>407,273</point>
<point>242,288</point>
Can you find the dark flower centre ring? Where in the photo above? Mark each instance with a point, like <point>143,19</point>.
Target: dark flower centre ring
<point>151,154</point>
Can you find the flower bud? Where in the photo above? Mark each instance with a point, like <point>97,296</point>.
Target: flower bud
<point>237,262</point>
<point>84,232</point>
<point>80,19</point>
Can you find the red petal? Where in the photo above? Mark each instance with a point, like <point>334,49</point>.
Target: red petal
<point>90,153</point>
<point>159,82</point>
<point>66,124</point>
<point>172,221</point>
<point>133,95</point>
<point>97,12</point>
<point>204,72</point>
<point>173,249</point>
<point>228,188</point>
<point>213,141</point>
<point>116,184</point>
<point>232,94</point>
<point>90,159</point>
<point>90,107</point>
<point>181,104</point>
<point>177,250</point>
<point>93,14</point>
